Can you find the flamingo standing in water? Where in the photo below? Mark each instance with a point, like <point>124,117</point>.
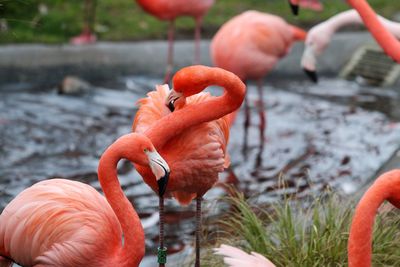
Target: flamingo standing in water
<point>250,45</point>
<point>60,222</point>
<point>319,37</point>
<point>170,10</point>
<point>193,138</point>
<point>386,187</point>
<point>383,36</point>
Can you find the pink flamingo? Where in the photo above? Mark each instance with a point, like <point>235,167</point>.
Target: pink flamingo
<point>194,137</point>
<point>87,36</point>
<point>383,36</point>
<point>250,45</point>
<point>309,4</point>
<point>170,10</point>
<point>319,37</point>
<point>60,222</point>
<point>386,187</point>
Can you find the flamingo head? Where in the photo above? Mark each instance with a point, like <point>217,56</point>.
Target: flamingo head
<point>157,164</point>
<point>294,6</point>
<point>316,43</point>
<point>175,100</point>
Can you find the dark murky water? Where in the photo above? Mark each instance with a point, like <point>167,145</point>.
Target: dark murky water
<point>312,141</point>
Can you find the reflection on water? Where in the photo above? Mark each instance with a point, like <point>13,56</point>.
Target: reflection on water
<point>314,142</point>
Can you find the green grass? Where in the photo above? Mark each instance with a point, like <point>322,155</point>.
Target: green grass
<point>290,234</point>
<point>121,20</point>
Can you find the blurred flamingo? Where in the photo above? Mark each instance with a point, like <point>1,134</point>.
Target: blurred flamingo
<point>234,257</point>
<point>193,138</point>
<point>87,36</point>
<point>386,187</point>
<point>309,4</point>
<point>170,10</point>
<point>60,222</point>
<point>383,36</point>
<point>319,37</point>
<point>250,45</point>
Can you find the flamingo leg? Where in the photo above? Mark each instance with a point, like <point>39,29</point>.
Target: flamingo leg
<point>262,112</point>
<point>198,229</point>
<point>246,123</point>
<point>170,60</point>
<point>162,250</point>
<point>197,38</point>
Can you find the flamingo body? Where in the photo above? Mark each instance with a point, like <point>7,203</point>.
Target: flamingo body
<point>171,9</point>
<point>66,223</point>
<point>52,211</point>
<point>251,43</point>
<point>196,155</point>
<point>234,257</point>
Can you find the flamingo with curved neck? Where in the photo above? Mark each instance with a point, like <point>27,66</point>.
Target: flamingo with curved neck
<point>386,187</point>
<point>60,222</point>
<point>319,37</point>
<point>382,35</point>
<point>192,138</point>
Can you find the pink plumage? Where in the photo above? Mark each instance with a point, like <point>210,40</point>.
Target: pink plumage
<point>234,257</point>
<point>196,156</point>
<point>251,44</point>
<point>39,227</point>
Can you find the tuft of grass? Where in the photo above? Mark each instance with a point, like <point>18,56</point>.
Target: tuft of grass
<point>296,234</point>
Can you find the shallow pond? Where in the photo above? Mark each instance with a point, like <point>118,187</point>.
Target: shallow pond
<point>316,136</point>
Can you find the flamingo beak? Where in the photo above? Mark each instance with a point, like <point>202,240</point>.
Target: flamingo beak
<point>172,97</point>
<point>309,62</point>
<point>294,8</point>
<point>161,171</point>
<point>312,75</point>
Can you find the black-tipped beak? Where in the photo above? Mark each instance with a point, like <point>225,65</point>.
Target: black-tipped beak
<point>294,8</point>
<point>312,75</point>
<point>162,183</point>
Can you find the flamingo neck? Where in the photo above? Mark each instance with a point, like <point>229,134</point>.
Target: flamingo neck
<point>132,251</point>
<point>349,17</point>
<point>386,187</point>
<point>195,114</point>
<point>384,38</point>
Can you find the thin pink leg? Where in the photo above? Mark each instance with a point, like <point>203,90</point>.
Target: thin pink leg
<point>197,38</point>
<point>261,110</point>
<point>170,60</point>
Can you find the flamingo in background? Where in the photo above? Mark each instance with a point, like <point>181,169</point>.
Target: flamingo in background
<point>383,36</point>
<point>319,37</point>
<point>250,45</point>
<point>193,138</point>
<point>386,187</point>
<point>170,10</point>
<point>60,222</point>
<point>309,4</point>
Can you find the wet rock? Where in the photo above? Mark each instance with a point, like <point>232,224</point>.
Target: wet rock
<point>72,85</point>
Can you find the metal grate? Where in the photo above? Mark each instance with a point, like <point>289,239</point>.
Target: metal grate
<point>372,65</point>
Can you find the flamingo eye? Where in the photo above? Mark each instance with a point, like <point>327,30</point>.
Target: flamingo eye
<point>145,150</point>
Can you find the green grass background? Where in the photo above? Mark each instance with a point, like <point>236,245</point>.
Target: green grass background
<point>123,20</point>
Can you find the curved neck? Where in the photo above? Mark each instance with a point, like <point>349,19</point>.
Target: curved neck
<point>382,35</point>
<point>132,251</point>
<point>386,187</point>
<point>214,108</point>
